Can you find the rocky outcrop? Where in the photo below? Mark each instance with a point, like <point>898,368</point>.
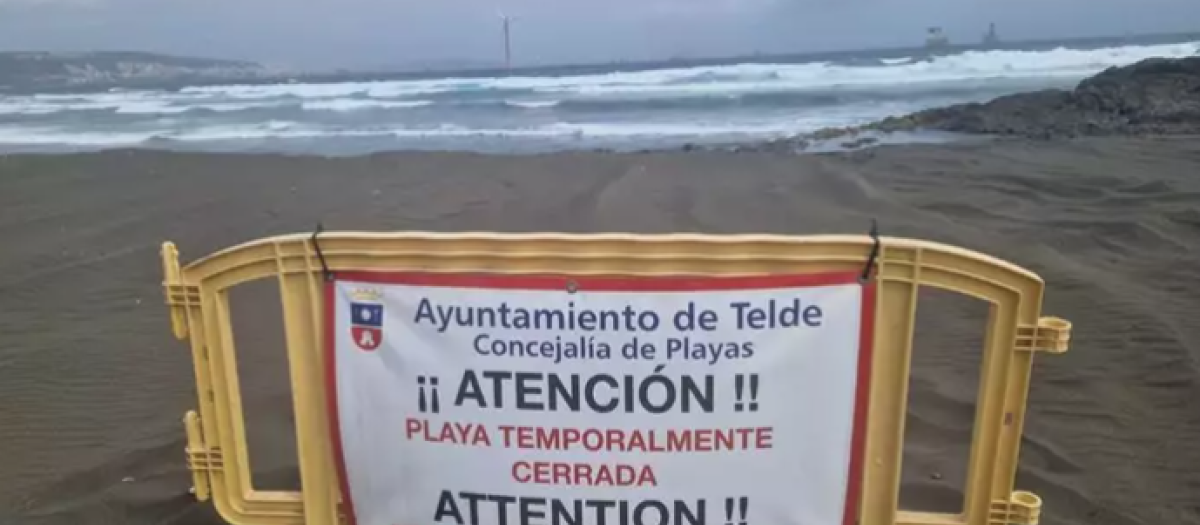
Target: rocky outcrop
<point>1154,96</point>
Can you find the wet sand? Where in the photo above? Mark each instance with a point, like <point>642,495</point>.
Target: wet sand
<point>92,385</point>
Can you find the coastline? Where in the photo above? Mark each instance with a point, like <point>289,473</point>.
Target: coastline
<point>1092,188</point>
<point>735,106</point>
<point>266,76</point>
<point>1152,97</point>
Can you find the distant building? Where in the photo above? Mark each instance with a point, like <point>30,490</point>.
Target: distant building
<point>936,39</point>
<point>991,39</point>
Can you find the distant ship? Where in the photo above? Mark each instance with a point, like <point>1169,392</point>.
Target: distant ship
<point>936,39</point>
<point>991,39</point>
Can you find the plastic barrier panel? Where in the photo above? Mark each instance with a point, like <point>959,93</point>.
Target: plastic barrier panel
<point>587,379</point>
<point>547,399</point>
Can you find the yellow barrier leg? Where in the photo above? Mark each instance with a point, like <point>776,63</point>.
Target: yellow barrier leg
<point>301,293</point>
<point>889,390</point>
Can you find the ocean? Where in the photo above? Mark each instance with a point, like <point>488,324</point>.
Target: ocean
<point>613,109</point>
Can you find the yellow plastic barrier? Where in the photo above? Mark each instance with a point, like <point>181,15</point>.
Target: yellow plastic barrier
<point>198,298</point>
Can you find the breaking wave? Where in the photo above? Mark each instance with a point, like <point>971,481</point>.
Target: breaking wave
<point>744,100</point>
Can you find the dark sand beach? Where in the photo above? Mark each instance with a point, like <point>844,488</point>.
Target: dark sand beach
<point>93,386</point>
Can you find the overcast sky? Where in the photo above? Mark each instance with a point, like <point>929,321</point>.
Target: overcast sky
<point>367,33</point>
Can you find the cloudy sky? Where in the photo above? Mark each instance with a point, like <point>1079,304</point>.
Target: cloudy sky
<point>371,33</point>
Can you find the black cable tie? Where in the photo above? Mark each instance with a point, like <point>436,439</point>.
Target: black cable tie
<point>874,256</point>
<point>320,255</point>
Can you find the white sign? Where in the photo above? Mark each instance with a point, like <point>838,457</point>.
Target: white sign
<point>516,400</point>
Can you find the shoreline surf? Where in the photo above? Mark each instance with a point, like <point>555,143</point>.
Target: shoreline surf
<point>620,111</point>
<point>94,385</point>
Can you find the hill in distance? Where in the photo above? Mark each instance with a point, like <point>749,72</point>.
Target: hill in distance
<point>37,71</point>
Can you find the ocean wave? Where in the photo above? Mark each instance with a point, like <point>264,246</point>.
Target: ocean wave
<point>342,104</point>
<point>735,99</point>
<point>296,130</point>
<point>728,80</point>
<point>698,100</point>
<point>743,77</point>
<point>163,106</point>
<point>532,104</point>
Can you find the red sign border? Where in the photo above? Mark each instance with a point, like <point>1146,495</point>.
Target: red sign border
<point>622,283</point>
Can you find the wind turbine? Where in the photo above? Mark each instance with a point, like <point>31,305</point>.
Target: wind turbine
<point>506,20</point>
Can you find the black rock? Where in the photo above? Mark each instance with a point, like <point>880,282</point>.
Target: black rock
<point>1155,96</point>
